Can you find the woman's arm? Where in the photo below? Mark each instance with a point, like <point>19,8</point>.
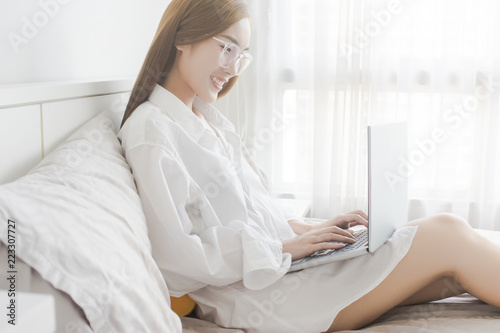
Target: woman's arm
<point>300,227</point>
<point>344,221</point>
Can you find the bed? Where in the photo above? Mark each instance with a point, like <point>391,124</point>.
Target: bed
<point>71,215</point>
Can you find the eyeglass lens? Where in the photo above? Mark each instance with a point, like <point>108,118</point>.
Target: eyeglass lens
<point>231,54</point>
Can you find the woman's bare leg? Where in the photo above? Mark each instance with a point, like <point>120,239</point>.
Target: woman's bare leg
<point>446,287</point>
<point>445,248</point>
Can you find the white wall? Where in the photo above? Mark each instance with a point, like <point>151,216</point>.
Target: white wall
<point>61,40</point>
<point>53,40</point>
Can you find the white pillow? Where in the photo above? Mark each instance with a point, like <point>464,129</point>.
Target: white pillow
<point>79,223</point>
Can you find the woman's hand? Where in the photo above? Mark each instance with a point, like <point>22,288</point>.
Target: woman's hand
<point>321,235</point>
<point>345,221</point>
<point>316,240</point>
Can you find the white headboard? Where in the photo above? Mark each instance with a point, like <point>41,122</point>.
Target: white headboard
<point>36,117</point>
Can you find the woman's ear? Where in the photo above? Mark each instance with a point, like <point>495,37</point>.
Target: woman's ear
<point>182,48</point>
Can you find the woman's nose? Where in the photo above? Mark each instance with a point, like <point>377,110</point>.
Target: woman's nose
<point>232,69</point>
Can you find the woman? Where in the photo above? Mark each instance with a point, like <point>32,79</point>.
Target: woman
<point>215,231</point>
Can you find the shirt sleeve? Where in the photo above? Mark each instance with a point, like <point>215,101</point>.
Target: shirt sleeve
<point>290,215</point>
<point>191,246</point>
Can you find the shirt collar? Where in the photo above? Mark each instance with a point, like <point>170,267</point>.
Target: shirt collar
<point>185,117</point>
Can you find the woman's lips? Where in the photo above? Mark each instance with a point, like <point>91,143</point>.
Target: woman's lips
<point>218,82</point>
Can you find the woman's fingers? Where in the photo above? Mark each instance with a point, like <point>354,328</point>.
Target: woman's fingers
<point>345,221</point>
<point>334,233</point>
<point>360,213</point>
<point>320,239</point>
<point>350,219</point>
<point>331,237</point>
<point>327,246</point>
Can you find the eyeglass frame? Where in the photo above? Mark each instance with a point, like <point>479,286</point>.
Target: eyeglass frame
<point>242,54</point>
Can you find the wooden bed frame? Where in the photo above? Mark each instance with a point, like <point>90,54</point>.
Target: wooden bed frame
<point>35,118</point>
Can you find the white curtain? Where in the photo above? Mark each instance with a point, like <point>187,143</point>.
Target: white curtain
<point>325,69</point>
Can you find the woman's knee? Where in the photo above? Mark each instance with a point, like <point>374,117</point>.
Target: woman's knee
<point>451,222</point>
<point>442,221</point>
<point>441,231</point>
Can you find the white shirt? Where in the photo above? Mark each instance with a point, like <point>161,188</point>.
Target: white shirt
<point>211,218</point>
<point>216,232</point>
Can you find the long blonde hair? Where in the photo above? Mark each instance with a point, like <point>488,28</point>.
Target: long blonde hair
<point>184,22</point>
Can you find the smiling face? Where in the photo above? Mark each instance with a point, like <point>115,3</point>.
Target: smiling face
<point>197,71</point>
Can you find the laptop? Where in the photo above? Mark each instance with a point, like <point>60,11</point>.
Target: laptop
<point>387,196</point>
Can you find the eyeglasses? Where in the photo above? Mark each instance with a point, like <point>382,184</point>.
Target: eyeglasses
<point>231,55</point>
